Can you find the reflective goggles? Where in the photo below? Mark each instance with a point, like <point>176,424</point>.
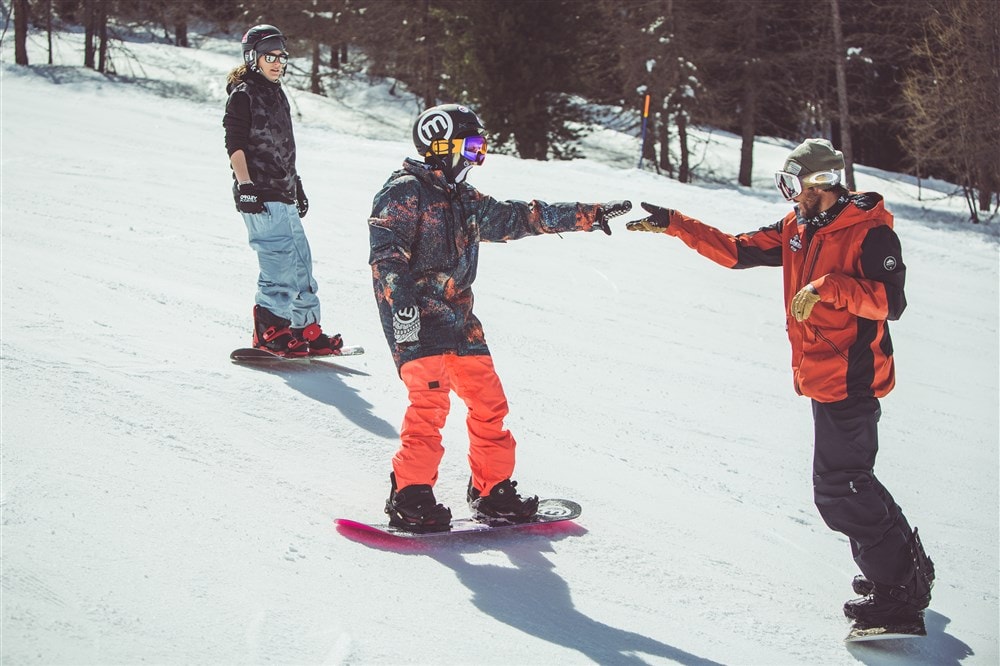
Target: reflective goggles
<point>270,58</point>
<point>792,186</point>
<point>472,148</point>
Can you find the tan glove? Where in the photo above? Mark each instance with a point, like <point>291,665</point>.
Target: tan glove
<point>657,222</point>
<point>803,302</point>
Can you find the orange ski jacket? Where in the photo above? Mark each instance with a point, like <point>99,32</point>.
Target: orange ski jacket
<point>852,257</point>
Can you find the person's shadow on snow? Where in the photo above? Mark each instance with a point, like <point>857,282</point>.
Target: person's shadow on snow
<point>321,381</point>
<point>530,595</point>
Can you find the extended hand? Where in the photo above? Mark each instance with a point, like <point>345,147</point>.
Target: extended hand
<point>247,198</point>
<point>803,302</point>
<point>657,221</point>
<point>606,211</point>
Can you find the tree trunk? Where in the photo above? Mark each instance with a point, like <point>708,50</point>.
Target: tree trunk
<point>21,32</point>
<point>665,164</point>
<point>985,199</point>
<point>181,32</point>
<point>88,33</point>
<point>428,79</point>
<point>840,64</point>
<point>970,200</point>
<point>751,83</point>
<point>48,26</point>
<point>314,85</point>
<point>102,33</point>
<point>684,173</point>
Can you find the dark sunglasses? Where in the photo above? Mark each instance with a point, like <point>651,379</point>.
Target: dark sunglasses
<point>271,57</point>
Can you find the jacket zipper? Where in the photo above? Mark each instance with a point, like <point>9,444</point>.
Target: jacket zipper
<point>807,274</point>
<point>807,279</point>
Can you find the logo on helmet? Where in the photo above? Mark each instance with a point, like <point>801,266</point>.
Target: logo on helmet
<point>435,125</point>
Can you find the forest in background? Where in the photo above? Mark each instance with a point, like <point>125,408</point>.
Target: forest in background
<point>911,86</point>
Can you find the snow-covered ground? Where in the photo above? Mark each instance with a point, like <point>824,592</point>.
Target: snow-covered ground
<point>162,505</point>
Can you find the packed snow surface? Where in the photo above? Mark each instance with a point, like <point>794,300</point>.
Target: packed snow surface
<point>163,505</point>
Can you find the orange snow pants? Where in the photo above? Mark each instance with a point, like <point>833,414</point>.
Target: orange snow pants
<point>429,381</point>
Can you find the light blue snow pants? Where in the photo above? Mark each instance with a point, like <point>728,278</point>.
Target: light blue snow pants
<point>286,285</point>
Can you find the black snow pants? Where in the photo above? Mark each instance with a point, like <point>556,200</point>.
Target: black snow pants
<point>849,497</point>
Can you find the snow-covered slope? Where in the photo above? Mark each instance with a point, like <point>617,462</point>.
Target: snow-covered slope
<point>160,504</point>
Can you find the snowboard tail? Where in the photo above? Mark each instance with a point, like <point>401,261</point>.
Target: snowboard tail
<point>549,511</point>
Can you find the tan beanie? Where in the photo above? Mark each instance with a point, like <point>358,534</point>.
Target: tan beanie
<point>812,156</point>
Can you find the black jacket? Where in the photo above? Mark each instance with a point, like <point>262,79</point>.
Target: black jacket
<point>258,121</point>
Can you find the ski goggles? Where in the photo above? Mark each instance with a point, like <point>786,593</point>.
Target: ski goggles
<point>271,58</point>
<point>472,148</point>
<point>792,186</point>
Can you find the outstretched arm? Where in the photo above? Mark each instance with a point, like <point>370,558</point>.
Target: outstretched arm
<point>757,248</point>
<point>510,220</point>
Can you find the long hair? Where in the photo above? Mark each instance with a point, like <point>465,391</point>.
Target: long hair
<point>236,76</point>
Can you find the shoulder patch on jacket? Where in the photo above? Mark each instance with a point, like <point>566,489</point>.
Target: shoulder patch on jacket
<point>866,200</point>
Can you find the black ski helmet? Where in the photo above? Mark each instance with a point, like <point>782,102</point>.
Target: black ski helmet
<point>446,121</point>
<point>261,39</point>
<point>436,127</point>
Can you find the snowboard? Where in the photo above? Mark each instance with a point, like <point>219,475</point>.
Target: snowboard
<point>860,633</point>
<point>253,355</point>
<point>549,511</point>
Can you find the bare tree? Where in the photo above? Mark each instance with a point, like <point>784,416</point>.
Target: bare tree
<point>954,100</point>
<point>95,26</point>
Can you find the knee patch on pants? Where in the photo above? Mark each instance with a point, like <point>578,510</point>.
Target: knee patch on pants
<point>846,499</point>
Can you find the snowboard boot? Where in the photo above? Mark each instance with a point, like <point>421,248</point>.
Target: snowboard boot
<point>502,505</point>
<point>272,333</point>
<point>319,343</point>
<point>886,606</point>
<point>414,509</point>
<point>899,604</point>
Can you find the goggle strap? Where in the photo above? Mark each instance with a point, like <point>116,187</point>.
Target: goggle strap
<point>440,147</point>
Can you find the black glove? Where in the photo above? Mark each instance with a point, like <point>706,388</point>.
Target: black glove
<point>247,199</point>
<point>606,211</point>
<point>301,203</point>
<point>657,222</point>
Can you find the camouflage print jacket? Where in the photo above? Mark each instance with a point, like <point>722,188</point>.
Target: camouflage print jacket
<point>425,239</point>
<point>258,121</point>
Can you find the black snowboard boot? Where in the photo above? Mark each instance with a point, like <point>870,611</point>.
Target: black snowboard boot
<point>900,604</point>
<point>414,509</point>
<point>884,607</point>
<point>503,504</point>
<point>272,333</point>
